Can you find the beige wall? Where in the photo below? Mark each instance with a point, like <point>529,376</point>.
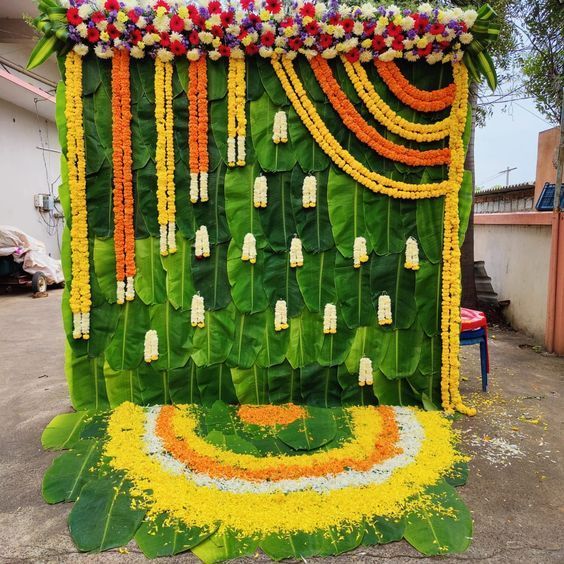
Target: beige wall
<point>546,159</point>
<point>517,260</point>
<point>24,172</point>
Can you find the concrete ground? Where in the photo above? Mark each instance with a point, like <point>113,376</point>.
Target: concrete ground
<point>515,490</point>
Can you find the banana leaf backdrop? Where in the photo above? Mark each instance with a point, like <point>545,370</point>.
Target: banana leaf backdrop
<point>238,356</point>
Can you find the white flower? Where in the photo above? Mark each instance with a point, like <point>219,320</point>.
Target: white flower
<point>330,319</point>
<point>425,8</point>
<point>358,28</point>
<point>296,253</point>
<point>249,251</point>
<point>330,53</point>
<point>384,309</point>
<point>260,192</point>
<point>202,243</point>
<point>320,9</point>
<point>365,372</point>
<point>265,52</point>
<point>368,10</point>
<point>80,49</point>
<point>141,22</point>
<point>193,54</point>
<point>280,127</point>
<point>366,56</point>
<point>82,30</point>
<point>151,346</point>
<point>411,56</point>
<point>412,248</point>
<point>214,55</point>
<point>338,32</point>
<point>280,315</point>
<point>309,192</point>
<point>137,52</point>
<point>103,53</point>
<point>360,254</point>
<point>84,11</point>
<point>407,23</point>
<point>165,55</point>
<point>433,58</point>
<point>205,37</point>
<point>197,313</point>
<point>466,38</point>
<point>469,17</point>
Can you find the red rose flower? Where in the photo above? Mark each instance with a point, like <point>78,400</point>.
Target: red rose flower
<point>353,55</point>
<point>308,9</point>
<point>113,31</point>
<point>397,44</point>
<point>312,28</point>
<point>98,17</point>
<point>226,18</point>
<point>217,31</point>
<point>177,47</point>
<point>273,6</point>
<point>437,28</point>
<point>348,25</point>
<point>165,39</point>
<point>92,35</point>
<point>72,16</point>
<point>176,23</point>
<point>224,50</point>
<point>111,5</point>
<point>368,28</point>
<point>214,7</point>
<point>136,36</point>
<point>393,29</point>
<point>325,40</point>
<point>378,43</point>
<point>133,16</point>
<point>194,38</point>
<point>287,22</point>
<point>295,43</point>
<point>267,39</point>
<point>421,23</point>
<point>163,4</point>
<point>426,51</point>
<point>252,49</point>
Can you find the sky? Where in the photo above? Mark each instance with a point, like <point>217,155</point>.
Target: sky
<point>509,139</point>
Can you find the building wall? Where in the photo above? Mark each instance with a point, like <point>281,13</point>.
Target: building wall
<point>546,159</point>
<point>517,259</point>
<point>504,205</point>
<point>26,170</point>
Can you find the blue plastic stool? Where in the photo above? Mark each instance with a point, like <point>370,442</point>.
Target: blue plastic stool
<point>478,337</point>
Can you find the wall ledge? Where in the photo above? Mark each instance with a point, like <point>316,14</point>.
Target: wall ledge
<point>514,218</point>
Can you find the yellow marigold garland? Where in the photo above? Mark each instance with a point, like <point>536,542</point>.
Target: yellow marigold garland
<point>236,116</point>
<point>124,230</point>
<point>450,318</point>
<point>387,116</point>
<point>165,156</point>
<point>80,297</point>
<point>337,153</point>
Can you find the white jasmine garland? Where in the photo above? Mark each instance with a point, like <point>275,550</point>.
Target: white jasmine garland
<point>249,251</point>
<point>260,192</point>
<point>129,289</point>
<point>309,192</point>
<point>231,151</point>
<point>194,191</point>
<point>204,195</point>
<point>120,292</point>
<point>151,352</point>
<point>198,312</point>
<point>296,254</point>
<point>241,150</point>
<point>171,240</point>
<point>384,309</point>
<point>163,239</point>
<point>280,127</point>
<point>365,372</point>
<point>202,243</point>
<point>360,254</point>
<point>330,319</point>
<point>280,315</point>
<point>411,254</point>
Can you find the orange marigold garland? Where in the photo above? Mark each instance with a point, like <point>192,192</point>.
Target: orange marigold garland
<point>421,100</point>
<point>124,231</point>
<point>80,294</point>
<point>365,132</point>
<point>198,130</point>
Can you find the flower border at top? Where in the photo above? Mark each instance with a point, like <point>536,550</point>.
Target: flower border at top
<point>179,28</point>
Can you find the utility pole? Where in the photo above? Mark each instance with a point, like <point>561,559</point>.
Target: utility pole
<point>507,171</point>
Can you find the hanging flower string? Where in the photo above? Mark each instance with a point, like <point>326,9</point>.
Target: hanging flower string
<point>236,116</point>
<point>309,192</point>
<point>365,132</point>
<point>260,192</point>
<point>280,315</point>
<point>360,254</point>
<point>384,309</point>
<point>249,251</point>
<point>420,100</point>
<point>365,372</point>
<point>202,243</point>
<point>385,115</point>
<point>151,346</point>
<point>280,128</point>
<point>337,153</point>
<point>198,130</point>
<point>80,298</point>
<point>124,230</point>
<point>330,319</point>
<point>165,156</point>
<point>411,254</point>
<point>296,253</point>
<point>198,312</point>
